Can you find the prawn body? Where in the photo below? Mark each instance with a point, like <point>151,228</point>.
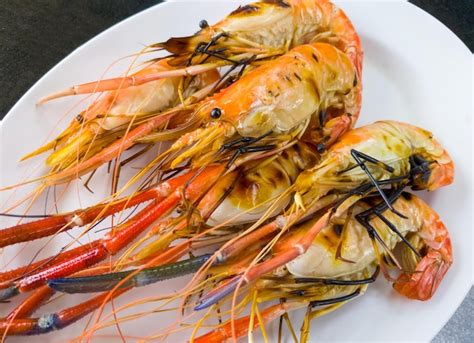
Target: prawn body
<point>273,27</point>
<point>311,92</point>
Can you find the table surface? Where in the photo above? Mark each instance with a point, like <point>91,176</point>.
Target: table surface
<point>27,26</point>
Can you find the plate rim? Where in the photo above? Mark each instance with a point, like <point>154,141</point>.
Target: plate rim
<point>10,117</point>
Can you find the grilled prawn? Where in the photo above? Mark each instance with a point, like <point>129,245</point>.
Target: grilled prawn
<point>118,111</point>
<point>252,33</point>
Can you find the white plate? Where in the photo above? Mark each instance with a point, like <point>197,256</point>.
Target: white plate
<point>415,70</point>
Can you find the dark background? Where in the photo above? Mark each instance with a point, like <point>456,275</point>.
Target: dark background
<point>37,34</point>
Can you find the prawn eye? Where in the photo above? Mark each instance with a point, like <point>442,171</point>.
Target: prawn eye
<point>320,148</point>
<point>203,24</point>
<point>216,113</point>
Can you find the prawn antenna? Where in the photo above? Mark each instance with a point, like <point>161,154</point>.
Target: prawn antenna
<point>339,282</point>
<point>25,215</point>
<point>366,188</point>
<point>378,210</point>
<point>360,157</point>
<point>336,300</point>
<point>226,78</point>
<point>245,145</point>
<point>203,48</point>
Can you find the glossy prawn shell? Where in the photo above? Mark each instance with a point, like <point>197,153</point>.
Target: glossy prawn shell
<point>315,17</point>
<point>388,141</point>
<point>115,109</point>
<point>154,96</point>
<point>250,194</point>
<point>280,24</point>
<point>285,93</point>
<point>421,281</point>
<point>421,277</point>
<point>321,260</point>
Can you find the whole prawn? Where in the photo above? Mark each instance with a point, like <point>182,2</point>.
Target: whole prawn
<point>364,159</point>
<point>341,262</point>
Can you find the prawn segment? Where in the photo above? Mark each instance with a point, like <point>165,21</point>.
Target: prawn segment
<point>433,241</point>
<point>392,150</point>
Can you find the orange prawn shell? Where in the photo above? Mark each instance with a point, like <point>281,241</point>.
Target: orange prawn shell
<point>422,283</point>
<point>280,24</point>
<point>283,93</point>
<point>421,142</point>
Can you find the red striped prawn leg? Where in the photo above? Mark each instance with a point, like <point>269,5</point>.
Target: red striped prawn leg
<point>53,224</point>
<point>241,325</point>
<point>54,321</point>
<point>17,323</point>
<point>90,254</point>
<point>7,278</point>
<point>44,293</point>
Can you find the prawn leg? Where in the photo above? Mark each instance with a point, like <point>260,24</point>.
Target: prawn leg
<point>241,325</point>
<point>258,270</point>
<point>87,255</point>
<point>17,323</point>
<point>58,223</point>
<point>140,278</point>
<point>55,321</point>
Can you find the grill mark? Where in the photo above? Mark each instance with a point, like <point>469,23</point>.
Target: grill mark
<point>247,9</point>
<point>279,3</point>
